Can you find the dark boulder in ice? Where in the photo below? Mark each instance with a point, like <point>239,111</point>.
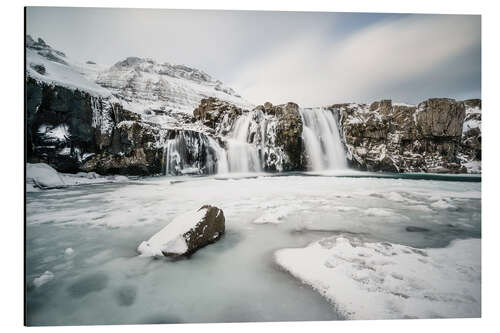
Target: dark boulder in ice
<point>186,234</point>
<point>416,229</point>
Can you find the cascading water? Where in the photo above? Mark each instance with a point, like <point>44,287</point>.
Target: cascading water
<point>190,152</point>
<point>242,156</point>
<point>322,140</point>
<point>221,156</point>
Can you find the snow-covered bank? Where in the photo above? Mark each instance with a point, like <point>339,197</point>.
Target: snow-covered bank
<point>382,280</point>
<point>41,176</point>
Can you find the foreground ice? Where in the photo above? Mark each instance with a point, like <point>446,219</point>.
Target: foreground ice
<point>235,279</point>
<point>382,280</point>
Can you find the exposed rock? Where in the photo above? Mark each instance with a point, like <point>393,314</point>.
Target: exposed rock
<point>186,233</point>
<point>405,138</point>
<point>440,117</point>
<point>74,131</point>
<point>470,147</point>
<point>289,135</point>
<point>216,114</point>
<point>38,68</point>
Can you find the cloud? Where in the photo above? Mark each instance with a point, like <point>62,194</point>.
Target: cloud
<point>310,58</point>
<point>409,58</point>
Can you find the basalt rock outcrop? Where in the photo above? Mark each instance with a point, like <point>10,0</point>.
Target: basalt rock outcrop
<point>74,131</point>
<point>391,137</point>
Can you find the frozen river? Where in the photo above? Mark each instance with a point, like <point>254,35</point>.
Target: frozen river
<point>82,241</point>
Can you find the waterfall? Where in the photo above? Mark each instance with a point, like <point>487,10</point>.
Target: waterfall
<point>221,156</point>
<point>322,140</point>
<point>190,152</point>
<point>242,155</point>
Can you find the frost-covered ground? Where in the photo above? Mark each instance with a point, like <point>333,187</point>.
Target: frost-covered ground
<point>287,238</point>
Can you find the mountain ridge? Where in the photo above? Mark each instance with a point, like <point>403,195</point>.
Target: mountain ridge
<point>142,117</point>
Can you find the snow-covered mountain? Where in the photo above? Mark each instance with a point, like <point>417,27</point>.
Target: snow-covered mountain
<point>158,92</point>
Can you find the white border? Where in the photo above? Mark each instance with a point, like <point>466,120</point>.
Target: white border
<point>11,80</point>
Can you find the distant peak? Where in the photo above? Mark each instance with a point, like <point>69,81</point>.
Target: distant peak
<point>151,66</point>
<point>45,50</point>
<point>129,61</point>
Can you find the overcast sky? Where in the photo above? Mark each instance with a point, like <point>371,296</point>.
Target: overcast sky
<point>310,58</point>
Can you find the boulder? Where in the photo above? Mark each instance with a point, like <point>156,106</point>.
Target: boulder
<point>186,233</point>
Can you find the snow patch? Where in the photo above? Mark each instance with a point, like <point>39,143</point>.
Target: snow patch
<point>442,204</point>
<point>43,279</point>
<point>58,133</point>
<point>379,212</point>
<point>385,280</point>
<point>43,176</point>
<point>275,216</point>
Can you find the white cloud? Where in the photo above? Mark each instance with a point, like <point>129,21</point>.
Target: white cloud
<point>371,63</point>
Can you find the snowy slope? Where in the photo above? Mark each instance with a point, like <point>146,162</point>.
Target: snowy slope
<point>156,90</point>
<point>45,64</point>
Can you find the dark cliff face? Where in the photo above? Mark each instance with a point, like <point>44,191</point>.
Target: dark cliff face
<point>401,138</point>
<point>74,131</point>
<point>59,126</point>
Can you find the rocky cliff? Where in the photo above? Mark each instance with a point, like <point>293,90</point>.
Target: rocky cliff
<point>428,137</point>
<point>139,117</point>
